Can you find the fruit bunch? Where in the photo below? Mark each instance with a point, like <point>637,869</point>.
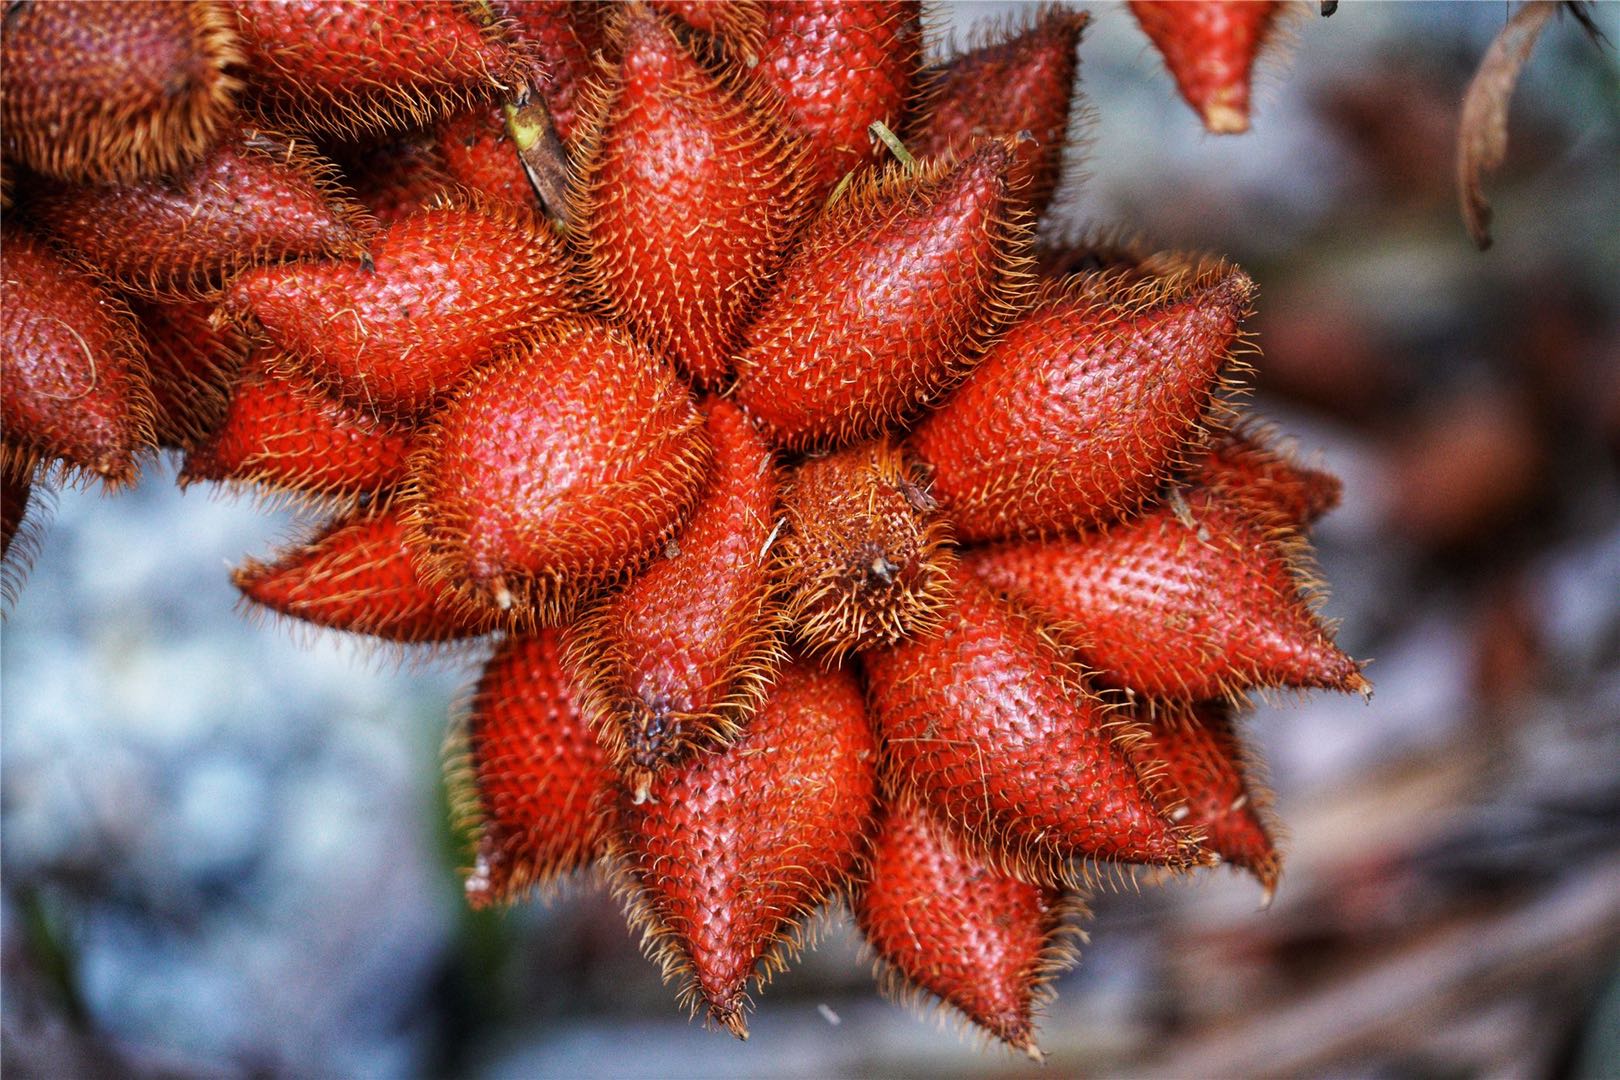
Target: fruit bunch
<point>835,536</point>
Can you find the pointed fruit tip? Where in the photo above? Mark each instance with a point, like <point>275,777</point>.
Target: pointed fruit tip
<point>1223,119</point>
<point>1357,684</point>
<point>732,1021</point>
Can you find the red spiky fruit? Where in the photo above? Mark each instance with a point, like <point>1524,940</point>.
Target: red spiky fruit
<point>115,94</point>
<point>987,723</point>
<point>444,288</point>
<point>257,197</point>
<point>733,849</point>
<point>534,783</point>
<point>1209,47</point>
<point>841,66</point>
<point>1085,404</point>
<point>683,654</point>
<point>1195,752</point>
<point>676,150</point>
<point>76,388</point>
<point>1022,85</point>
<point>909,270</point>
<point>863,560</point>
<point>737,24</point>
<point>359,575</point>
<point>1246,471</point>
<point>941,920</point>
<point>283,434</point>
<point>556,468</point>
<point>565,35</point>
<point>193,364</point>
<point>1198,608</point>
<point>348,66</point>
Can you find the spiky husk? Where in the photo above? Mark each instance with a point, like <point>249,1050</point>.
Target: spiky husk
<point>863,559</point>
<point>1249,469</point>
<point>1192,602</point>
<point>682,656</point>
<point>1209,48</point>
<point>1087,403</point>
<point>947,225</point>
<point>443,289</point>
<point>565,34</point>
<point>77,395</point>
<point>193,365</point>
<point>114,98</point>
<point>347,67</point>
<point>940,921</point>
<point>731,852</point>
<point>359,575</point>
<point>989,724</point>
<point>554,470</point>
<point>675,148</point>
<point>527,775</point>
<point>737,25</point>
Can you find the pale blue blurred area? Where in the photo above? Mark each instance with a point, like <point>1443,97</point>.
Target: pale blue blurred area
<point>236,840</point>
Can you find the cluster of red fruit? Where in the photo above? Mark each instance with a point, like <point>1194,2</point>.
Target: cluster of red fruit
<point>834,539</point>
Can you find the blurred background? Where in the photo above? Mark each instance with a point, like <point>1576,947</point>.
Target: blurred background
<point>225,850</point>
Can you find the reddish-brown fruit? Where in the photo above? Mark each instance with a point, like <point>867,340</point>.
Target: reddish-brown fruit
<point>682,656</point>
<point>1197,608</point>
<point>397,179</point>
<point>359,575</point>
<point>987,723</point>
<point>1194,751</point>
<point>841,65</point>
<point>863,560</point>
<point>566,35</point>
<point>732,850</point>
<point>534,784</point>
<point>1209,47</point>
<point>347,66</point>
<point>1022,85</point>
<point>894,288</point>
<point>285,435</point>
<point>976,938</point>
<point>255,198</point>
<point>676,152</point>
<point>557,467</point>
<point>1085,404</point>
<point>739,25</point>
<point>478,151</point>
<point>14,492</point>
<point>193,365</point>
<point>445,288</point>
<point>115,93</point>
<point>1246,471</point>
<point>76,386</point>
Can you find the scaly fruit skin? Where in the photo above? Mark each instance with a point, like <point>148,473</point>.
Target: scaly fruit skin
<point>1246,472</point>
<point>534,783</point>
<point>1195,751</point>
<point>1209,47</point>
<point>76,386</point>
<point>682,656</point>
<point>107,98</point>
<point>555,469</point>
<point>863,559</point>
<point>937,250</point>
<point>1192,609</point>
<point>987,723</point>
<point>445,288</point>
<point>565,34</point>
<point>284,435</point>
<point>358,575</point>
<point>397,179</point>
<point>193,365</point>
<point>256,197</point>
<point>1027,84</point>
<point>671,153</point>
<point>478,152</point>
<point>1084,405</point>
<point>738,25</point>
<point>978,939</point>
<point>840,66</point>
<point>347,66</point>
<point>732,850</point>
